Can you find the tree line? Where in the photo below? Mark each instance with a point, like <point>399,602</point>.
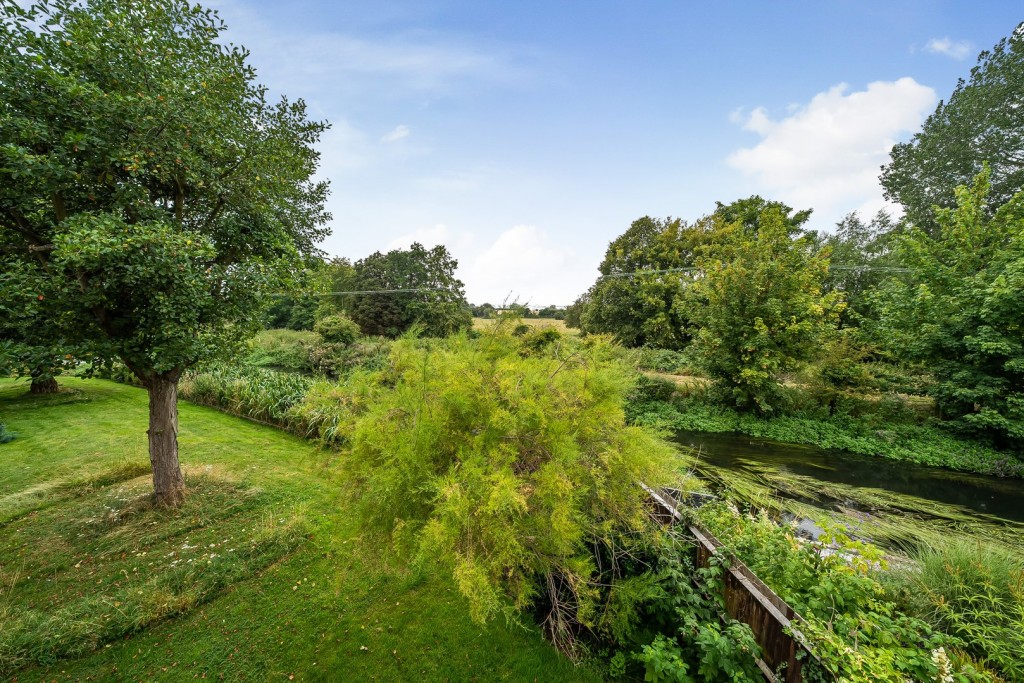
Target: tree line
<point>752,294</point>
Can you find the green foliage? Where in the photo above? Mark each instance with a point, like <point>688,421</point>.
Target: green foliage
<point>31,340</point>
<point>485,311</point>
<point>367,353</point>
<point>663,360</point>
<point>637,307</point>
<point>159,209</point>
<point>337,329</point>
<point>860,258</point>
<point>854,625</point>
<point>981,122</point>
<point>840,373</point>
<point>336,277</point>
<point>700,648</point>
<point>975,592</point>
<point>758,310</point>
<point>961,312</point>
<point>286,350</point>
<point>262,395</point>
<point>574,313</point>
<point>513,467</point>
<point>551,312</point>
<point>305,567</point>
<point>292,313</point>
<point>438,311</point>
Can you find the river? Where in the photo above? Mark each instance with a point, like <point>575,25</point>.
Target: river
<point>893,503</point>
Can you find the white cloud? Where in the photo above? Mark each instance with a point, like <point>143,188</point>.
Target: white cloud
<point>396,134</point>
<point>524,265</point>
<point>960,49</point>
<point>826,155</point>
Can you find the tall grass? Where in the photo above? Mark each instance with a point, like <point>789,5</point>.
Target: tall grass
<point>976,592</point>
<point>264,395</point>
<point>286,350</point>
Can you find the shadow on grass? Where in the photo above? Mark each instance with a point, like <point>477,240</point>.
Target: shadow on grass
<point>99,561</point>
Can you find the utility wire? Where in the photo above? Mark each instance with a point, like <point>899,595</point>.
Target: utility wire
<point>883,269</point>
<point>366,291</point>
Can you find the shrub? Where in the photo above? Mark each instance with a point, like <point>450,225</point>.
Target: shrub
<point>337,329</point>
<point>851,620</point>
<point>694,644</point>
<point>367,353</point>
<point>329,410</point>
<point>663,360</point>
<point>517,472</point>
<point>285,350</point>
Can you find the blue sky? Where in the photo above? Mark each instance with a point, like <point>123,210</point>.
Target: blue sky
<point>527,135</point>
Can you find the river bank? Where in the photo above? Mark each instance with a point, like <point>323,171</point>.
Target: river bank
<point>886,429</point>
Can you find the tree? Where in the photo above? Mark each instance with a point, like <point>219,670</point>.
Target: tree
<point>574,313</point>
<point>31,341</point>
<point>642,274</point>
<point>484,311</point>
<point>436,302</point>
<point>553,312</point>
<point>335,277</point>
<point>860,258</point>
<point>747,212</point>
<point>305,299</point>
<point>148,188</point>
<point>983,121</point>
<point>757,307</point>
<point>962,314</point>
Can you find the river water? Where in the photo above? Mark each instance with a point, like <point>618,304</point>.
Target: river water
<point>893,502</point>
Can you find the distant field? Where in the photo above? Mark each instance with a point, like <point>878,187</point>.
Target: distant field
<point>481,323</point>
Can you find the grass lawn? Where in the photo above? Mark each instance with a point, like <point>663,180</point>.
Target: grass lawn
<point>262,574</point>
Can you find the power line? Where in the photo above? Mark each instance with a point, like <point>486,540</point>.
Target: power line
<point>693,269</point>
<point>367,291</point>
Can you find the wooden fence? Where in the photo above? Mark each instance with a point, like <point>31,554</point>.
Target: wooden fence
<point>748,600</point>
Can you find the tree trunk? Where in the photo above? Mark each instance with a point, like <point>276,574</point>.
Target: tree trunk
<point>44,385</point>
<point>168,484</point>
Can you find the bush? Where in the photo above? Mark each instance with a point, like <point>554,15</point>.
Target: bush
<point>329,410</point>
<point>694,643</point>
<point>516,471</point>
<point>368,353</point>
<point>285,350</point>
<point>852,621</point>
<point>337,329</point>
<point>663,360</point>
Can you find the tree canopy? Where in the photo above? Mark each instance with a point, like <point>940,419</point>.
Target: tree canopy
<point>148,187</point>
<point>983,121</point>
<point>961,311</point>
<point>438,304</point>
<point>758,308</point>
<point>635,296</point>
<point>861,257</point>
